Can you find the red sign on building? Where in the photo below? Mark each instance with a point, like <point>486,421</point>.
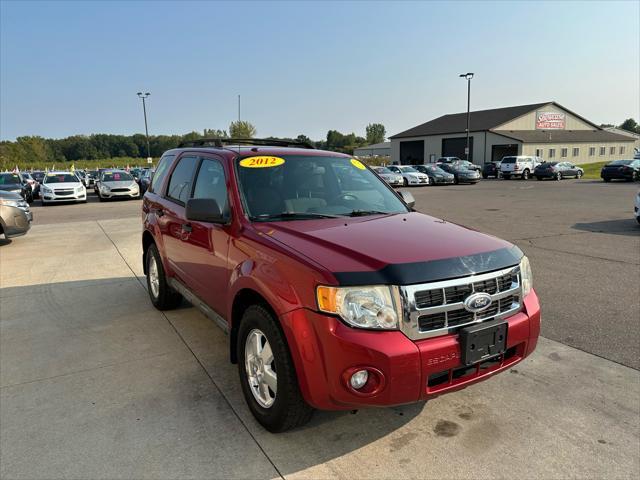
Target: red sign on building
<point>550,121</point>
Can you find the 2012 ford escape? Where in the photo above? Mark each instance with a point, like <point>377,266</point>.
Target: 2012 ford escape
<point>335,293</point>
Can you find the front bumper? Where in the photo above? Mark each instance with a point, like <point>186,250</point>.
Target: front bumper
<point>418,181</point>
<point>47,197</point>
<point>129,193</point>
<point>443,180</point>
<point>323,349</point>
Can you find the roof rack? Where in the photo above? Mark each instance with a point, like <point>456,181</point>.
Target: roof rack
<point>220,142</point>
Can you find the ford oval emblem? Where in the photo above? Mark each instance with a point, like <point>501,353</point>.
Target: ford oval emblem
<point>477,302</point>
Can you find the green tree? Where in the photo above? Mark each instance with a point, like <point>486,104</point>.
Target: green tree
<point>242,129</point>
<point>215,133</point>
<point>376,133</point>
<point>630,125</point>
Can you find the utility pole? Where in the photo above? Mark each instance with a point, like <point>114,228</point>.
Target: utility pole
<point>144,96</point>
<point>468,76</point>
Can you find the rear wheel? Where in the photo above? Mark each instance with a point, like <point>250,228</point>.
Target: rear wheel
<point>267,374</point>
<point>525,175</point>
<point>558,176</point>
<point>405,182</point>
<point>162,295</point>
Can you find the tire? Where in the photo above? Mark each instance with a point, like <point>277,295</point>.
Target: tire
<point>538,178</point>
<point>579,175</point>
<point>100,199</point>
<point>525,175</point>
<point>287,409</point>
<point>161,294</point>
<point>485,176</point>
<point>455,180</point>
<point>558,176</point>
<point>405,182</point>
<point>606,179</point>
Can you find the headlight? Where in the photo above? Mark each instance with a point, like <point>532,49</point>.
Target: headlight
<point>526,276</point>
<point>104,188</point>
<point>375,307</point>
<point>46,189</point>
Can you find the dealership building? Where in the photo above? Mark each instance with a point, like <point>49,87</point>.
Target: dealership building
<point>547,130</point>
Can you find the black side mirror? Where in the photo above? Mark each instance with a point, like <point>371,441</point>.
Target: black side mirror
<point>408,198</point>
<point>204,210</point>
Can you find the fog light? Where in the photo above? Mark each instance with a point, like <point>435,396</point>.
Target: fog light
<point>359,379</point>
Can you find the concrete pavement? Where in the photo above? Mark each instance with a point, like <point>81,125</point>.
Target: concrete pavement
<point>95,383</point>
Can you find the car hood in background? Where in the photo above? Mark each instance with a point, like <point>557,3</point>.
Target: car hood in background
<point>61,186</point>
<point>11,187</point>
<point>393,249</point>
<point>119,184</point>
<point>7,195</point>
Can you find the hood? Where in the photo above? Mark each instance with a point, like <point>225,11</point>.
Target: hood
<point>394,249</point>
<point>119,183</point>
<point>11,186</point>
<point>6,195</point>
<point>64,185</point>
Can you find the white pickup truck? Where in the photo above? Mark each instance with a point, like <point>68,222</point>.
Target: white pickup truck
<point>519,166</point>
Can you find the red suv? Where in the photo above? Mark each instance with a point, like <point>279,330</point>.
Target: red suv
<point>335,293</point>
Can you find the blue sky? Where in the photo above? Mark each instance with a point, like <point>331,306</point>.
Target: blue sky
<point>301,67</point>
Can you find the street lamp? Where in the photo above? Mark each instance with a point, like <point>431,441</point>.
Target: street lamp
<point>143,96</point>
<point>468,76</point>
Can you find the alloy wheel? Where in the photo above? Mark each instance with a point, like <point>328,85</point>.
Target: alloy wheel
<point>261,368</point>
<point>154,278</point>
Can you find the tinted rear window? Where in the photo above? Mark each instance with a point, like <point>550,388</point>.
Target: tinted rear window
<point>509,160</point>
<point>620,162</point>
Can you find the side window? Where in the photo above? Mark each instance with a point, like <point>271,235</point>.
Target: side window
<point>180,183</point>
<point>161,172</point>
<point>211,183</point>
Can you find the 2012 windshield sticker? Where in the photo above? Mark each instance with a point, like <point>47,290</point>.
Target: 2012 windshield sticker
<point>358,164</point>
<point>261,162</point>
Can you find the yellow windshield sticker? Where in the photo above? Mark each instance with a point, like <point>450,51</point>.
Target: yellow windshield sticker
<point>358,164</point>
<point>261,162</point>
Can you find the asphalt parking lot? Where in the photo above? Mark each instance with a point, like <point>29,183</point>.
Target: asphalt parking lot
<point>95,383</point>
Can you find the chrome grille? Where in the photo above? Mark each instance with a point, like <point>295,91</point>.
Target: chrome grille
<point>63,191</point>
<point>437,308</point>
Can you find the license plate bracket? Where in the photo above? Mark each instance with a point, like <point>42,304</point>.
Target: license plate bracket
<point>482,341</point>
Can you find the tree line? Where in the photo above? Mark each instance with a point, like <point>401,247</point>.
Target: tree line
<point>35,149</point>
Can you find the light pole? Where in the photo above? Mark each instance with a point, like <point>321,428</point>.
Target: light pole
<point>143,96</point>
<point>468,76</point>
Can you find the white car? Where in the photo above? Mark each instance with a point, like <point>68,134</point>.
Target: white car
<point>410,175</point>
<point>636,208</point>
<point>59,187</point>
<point>519,166</point>
<point>116,184</point>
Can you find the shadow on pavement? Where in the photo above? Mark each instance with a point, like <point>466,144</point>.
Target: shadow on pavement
<point>625,226</point>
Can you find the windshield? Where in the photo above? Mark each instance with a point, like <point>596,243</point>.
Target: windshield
<point>60,178</point>
<point>408,169</point>
<point>9,178</point>
<point>312,186</point>
<point>116,177</point>
<point>382,170</point>
<point>621,162</point>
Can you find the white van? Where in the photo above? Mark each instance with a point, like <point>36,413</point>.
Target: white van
<point>519,166</point>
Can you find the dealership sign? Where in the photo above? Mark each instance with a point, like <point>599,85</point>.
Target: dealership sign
<point>550,121</point>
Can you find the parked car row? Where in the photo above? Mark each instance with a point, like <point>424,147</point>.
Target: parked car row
<point>628,170</point>
<point>446,172</point>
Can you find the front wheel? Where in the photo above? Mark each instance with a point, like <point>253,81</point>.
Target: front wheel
<point>559,176</point>
<point>579,175</point>
<point>525,175</point>
<point>405,182</point>
<point>267,374</point>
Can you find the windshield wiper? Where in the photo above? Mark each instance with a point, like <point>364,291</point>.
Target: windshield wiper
<point>293,215</point>
<point>362,213</point>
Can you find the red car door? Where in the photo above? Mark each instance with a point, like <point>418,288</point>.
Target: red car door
<point>208,243</point>
<point>171,216</point>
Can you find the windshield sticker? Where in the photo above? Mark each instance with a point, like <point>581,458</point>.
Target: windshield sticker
<point>261,162</point>
<point>116,176</point>
<point>358,164</point>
